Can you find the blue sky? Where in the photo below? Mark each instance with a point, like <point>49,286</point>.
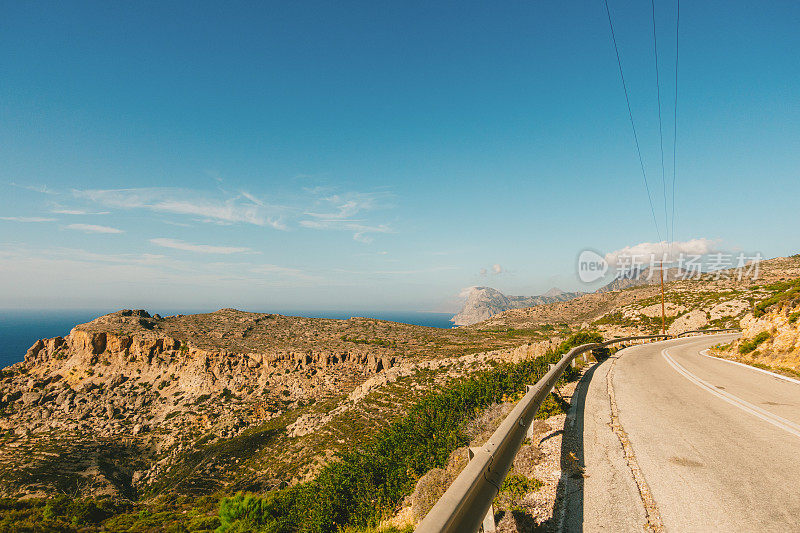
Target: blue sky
<point>376,155</point>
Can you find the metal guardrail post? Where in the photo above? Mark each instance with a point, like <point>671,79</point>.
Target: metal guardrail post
<point>464,506</point>
<point>488,525</point>
<point>529,433</point>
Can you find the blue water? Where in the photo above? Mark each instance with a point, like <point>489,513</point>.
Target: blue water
<point>20,329</point>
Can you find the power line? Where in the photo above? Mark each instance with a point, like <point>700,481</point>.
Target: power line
<point>675,118</point>
<point>633,126</point>
<point>660,128</point>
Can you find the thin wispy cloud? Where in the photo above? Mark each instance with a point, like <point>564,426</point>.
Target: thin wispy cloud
<point>361,232</point>
<point>79,212</point>
<point>199,248</point>
<point>28,219</point>
<point>252,198</point>
<point>345,205</point>
<point>43,189</point>
<point>338,212</point>
<point>325,209</point>
<point>93,228</point>
<point>243,208</point>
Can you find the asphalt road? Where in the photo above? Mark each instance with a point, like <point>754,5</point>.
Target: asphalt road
<point>690,443</point>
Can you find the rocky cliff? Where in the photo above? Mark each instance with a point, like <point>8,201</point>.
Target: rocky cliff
<point>133,404</point>
<point>139,385</point>
<point>485,302</point>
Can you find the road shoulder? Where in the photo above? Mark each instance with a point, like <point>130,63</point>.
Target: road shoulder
<point>615,503</point>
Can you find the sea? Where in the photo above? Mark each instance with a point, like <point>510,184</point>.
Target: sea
<point>20,329</point>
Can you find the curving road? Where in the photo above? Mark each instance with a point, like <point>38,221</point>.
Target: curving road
<point>689,443</point>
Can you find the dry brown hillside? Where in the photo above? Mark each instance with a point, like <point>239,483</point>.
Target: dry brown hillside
<point>132,403</point>
<point>690,304</point>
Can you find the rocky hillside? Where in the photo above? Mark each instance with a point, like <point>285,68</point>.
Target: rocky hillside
<point>771,338</point>
<point>132,404</point>
<point>716,300</point>
<point>485,302</point>
<point>638,277</point>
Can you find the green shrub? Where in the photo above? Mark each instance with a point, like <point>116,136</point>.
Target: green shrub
<point>368,483</point>
<point>793,317</point>
<point>61,513</point>
<point>786,291</point>
<point>518,486</point>
<point>750,345</point>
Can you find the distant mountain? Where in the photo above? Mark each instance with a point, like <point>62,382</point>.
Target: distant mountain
<point>640,276</point>
<point>484,302</point>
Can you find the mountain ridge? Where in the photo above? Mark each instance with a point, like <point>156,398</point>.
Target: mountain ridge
<point>484,302</point>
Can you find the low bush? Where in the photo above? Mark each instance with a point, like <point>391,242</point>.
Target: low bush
<point>61,513</point>
<point>786,292</point>
<point>366,484</point>
<point>750,345</point>
<point>518,486</point>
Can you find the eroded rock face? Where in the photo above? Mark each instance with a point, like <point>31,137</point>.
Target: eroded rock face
<point>131,378</point>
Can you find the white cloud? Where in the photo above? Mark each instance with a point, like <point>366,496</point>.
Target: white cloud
<point>199,248</point>
<point>346,206</point>
<point>339,210</point>
<point>92,228</point>
<point>325,209</point>
<point>35,188</point>
<point>28,219</point>
<point>658,249</point>
<point>252,198</point>
<point>496,269</point>
<point>361,232</point>
<point>244,208</point>
<point>78,212</point>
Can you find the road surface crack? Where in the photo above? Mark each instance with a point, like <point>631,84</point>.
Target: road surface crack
<point>654,522</point>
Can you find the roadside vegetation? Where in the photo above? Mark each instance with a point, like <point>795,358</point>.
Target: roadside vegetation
<point>354,492</point>
<point>785,293</point>
<point>751,344</point>
<point>367,484</point>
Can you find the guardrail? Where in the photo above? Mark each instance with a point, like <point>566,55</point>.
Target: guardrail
<point>464,505</point>
<point>706,331</point>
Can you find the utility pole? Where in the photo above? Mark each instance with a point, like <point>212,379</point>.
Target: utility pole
<point>663,315</point>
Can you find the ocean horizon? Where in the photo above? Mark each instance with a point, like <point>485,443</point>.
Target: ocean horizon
<point>19,330</point>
